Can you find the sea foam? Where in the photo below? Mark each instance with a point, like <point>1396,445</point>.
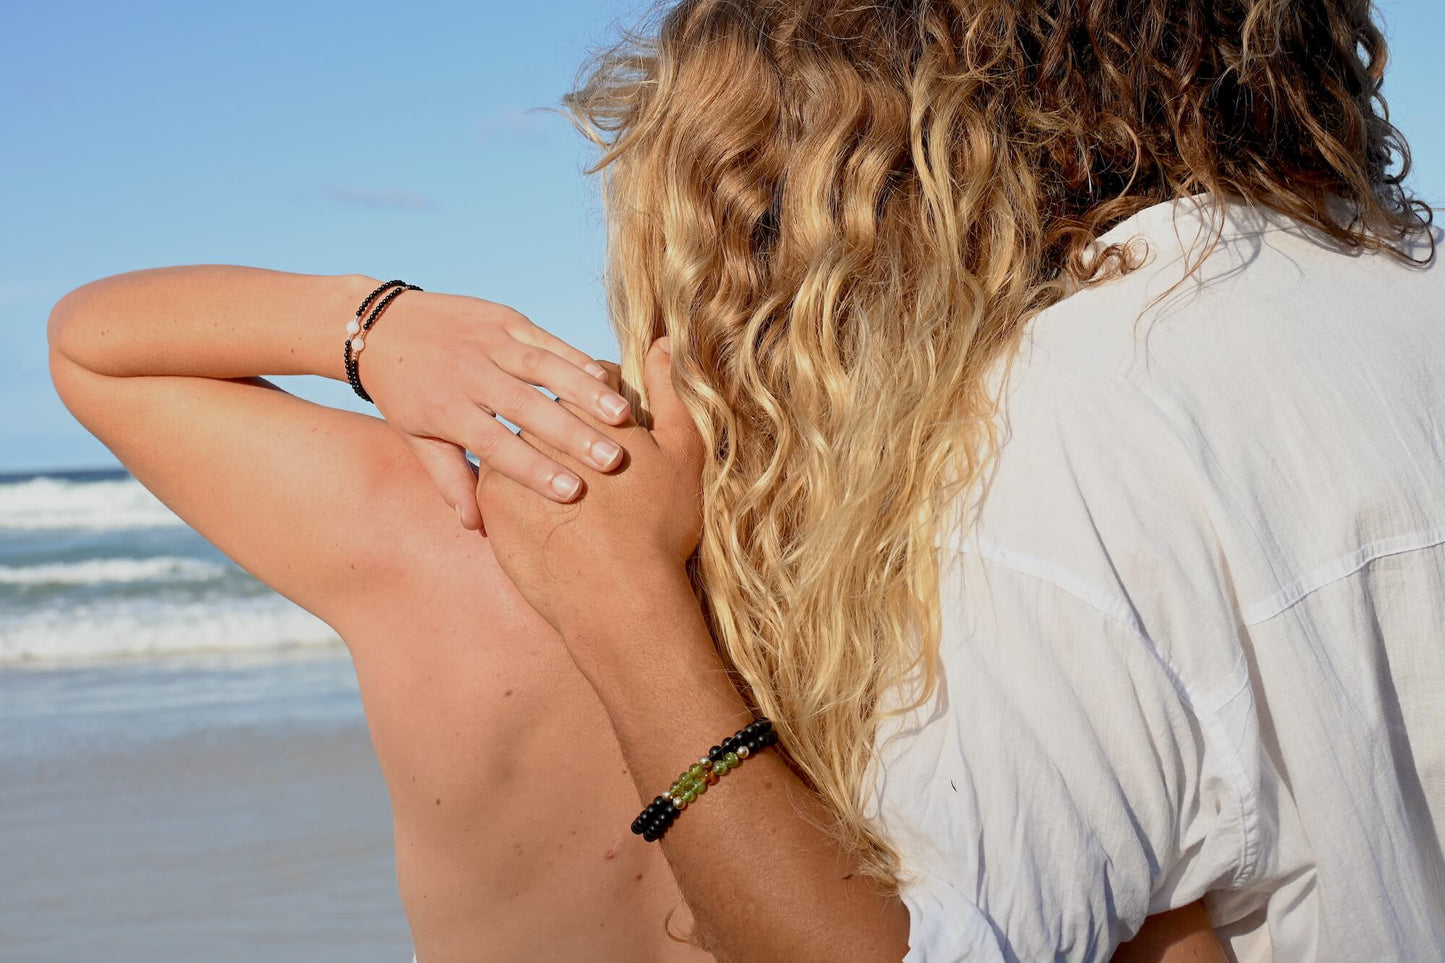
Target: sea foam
<point>61,503</point>
<point>101,571</point>
<point>146,627</point>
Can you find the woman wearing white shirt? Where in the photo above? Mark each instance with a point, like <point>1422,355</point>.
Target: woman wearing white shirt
<point>1150,531</point>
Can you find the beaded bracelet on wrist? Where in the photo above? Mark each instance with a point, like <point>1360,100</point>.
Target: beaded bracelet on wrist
<point>356,331</point>
<point>721,759</point>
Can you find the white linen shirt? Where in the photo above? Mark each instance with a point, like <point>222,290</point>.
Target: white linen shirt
<point>1194,641</point>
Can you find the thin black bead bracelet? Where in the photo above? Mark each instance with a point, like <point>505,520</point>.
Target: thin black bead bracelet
<point>356,331</point>
<point>353,329</point>
<point>721,759</point>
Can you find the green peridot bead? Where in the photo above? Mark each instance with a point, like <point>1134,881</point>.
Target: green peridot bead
<point>732,760</point>
<point>689,796</point>
<point>697,770</point>
<point>700,787</point>
<point>720,767</point>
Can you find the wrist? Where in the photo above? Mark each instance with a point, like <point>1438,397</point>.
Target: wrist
<point>342,293</point>
<point>655,607</point>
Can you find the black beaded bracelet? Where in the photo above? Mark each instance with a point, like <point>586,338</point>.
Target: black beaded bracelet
<point>356,331</point>
<point>721,759</point>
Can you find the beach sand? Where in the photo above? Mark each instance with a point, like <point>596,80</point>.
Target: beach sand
<point>220,809</point>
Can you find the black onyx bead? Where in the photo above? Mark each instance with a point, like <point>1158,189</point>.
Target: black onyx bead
<point>651,836</point>
<point>716,753</point>
<point>661,801</point>
<point>637,828</point>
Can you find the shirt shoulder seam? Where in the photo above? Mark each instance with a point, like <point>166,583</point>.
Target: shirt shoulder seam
<point>1302,586</point>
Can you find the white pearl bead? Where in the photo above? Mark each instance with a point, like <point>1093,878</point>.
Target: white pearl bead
<point>354,328</point>
<point>357,344</point>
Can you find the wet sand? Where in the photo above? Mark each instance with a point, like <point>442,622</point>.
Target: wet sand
<point>225,809</point>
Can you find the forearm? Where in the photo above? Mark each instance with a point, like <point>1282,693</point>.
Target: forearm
<point>216,321</point>
<point>762,881</point>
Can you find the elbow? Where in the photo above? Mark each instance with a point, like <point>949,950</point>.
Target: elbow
<point>60,328</point>
<point>72,355</point>
<point>71,330</point>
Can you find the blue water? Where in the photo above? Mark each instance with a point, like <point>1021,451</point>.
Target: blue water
<point>93,567</point>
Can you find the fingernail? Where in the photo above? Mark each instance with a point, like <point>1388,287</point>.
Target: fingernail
<point>604,451</point>
<point>565,485</point>
<point>613,405</point>
<point>596,370</point>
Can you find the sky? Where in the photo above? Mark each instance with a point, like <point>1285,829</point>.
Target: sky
<point>331,138</point>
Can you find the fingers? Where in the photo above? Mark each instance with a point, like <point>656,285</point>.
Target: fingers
<point>503,452</point>
<point>529,334</point>
<point>530,410</point>
<point>452,474</point>
<point>538,366</point>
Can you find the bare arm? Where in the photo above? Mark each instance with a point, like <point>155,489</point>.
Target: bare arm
<point>763,882</point>
<point>438,365</point>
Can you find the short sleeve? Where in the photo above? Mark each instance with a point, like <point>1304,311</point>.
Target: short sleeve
<point>1058,788</point>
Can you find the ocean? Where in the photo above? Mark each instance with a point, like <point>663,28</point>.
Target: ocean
<point>94,567</point>
<point>185,771</point>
